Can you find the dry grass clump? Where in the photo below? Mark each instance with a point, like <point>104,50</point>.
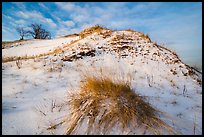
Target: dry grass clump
<point>8,59</point>
<point>91,30</point>
<point>106,104</point>
<point>145,37</point>
<point>71,35</point>
<point>130,30</point>
<point>106,33</point>
<point>18,64</point>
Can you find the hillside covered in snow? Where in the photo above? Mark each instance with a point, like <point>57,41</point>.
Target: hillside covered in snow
<point>38,77</point>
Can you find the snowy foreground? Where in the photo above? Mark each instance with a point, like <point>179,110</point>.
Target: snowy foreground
<point>35,91</point>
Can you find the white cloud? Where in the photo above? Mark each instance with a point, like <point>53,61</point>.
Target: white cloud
<point>20,22</point>
<point>81,18</point>
<point>8,33</point>
<point>77,13</point>
<point>35,16</point>
<point>22,14</point>
<point>69,23</point>
<point>75,30</point>
<point>29,14</point>
<point>109,15</point>
<point>56,17</point>
<point>50,22</point>
<point>67,6</point>
<point>43,6</point>
<point>20,5</point>
<point>8,21</point>
<point>66,31</point>
<point>62,32</point>
<point>7,17</point>
<point>6,29</point>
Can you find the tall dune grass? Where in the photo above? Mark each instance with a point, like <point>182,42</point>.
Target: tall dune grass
<point>106,103</point>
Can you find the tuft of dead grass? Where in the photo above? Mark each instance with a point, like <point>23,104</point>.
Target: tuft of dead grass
<point>145,37</point>
<point>19,63</point>
<point>130,30</point>
<point>106,103</point>
<point>91,30</point>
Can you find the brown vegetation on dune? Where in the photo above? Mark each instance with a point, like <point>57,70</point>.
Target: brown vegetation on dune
<point>91,30</point>
<point>107,104</point>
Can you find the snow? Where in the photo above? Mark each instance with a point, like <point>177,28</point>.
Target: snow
<point>36,47</point>
<point>34,97</point>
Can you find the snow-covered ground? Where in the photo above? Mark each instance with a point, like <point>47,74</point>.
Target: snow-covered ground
<point>36,47</point>
<point>34,97</point>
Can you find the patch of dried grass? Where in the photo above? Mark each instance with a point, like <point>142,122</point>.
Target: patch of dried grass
<point>91,30</point>
<point>108,103</point>
<point>145,37</point>
<point>130,30</point>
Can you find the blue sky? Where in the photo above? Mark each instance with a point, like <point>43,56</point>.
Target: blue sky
<point>176,25</point>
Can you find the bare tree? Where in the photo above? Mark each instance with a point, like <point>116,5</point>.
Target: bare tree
<point>22,32</point>
<point>38,32</point>
<point>45,34</point>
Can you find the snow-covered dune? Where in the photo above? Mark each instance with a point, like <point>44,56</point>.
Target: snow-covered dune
<point>36,47</point>
<point>35,91</point>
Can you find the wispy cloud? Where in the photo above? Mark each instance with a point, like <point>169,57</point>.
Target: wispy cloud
<point>43,6</point>
<point>68,23</point>
<point>7,33</point>
<point>20,5</point>
<point>21,21</point>
<point>33,15</point>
